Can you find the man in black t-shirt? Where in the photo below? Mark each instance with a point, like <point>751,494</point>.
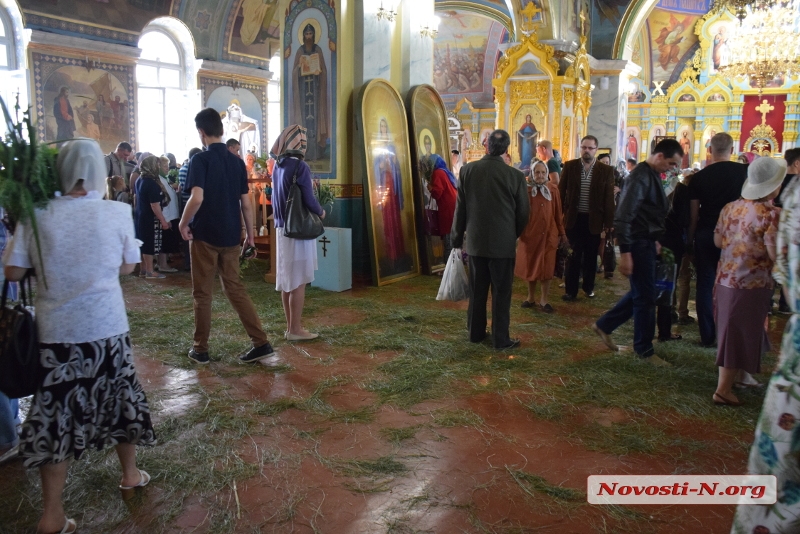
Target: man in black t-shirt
<point>709,191</point>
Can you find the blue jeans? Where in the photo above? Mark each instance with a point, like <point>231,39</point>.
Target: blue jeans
<point>706,258</point>
<point>9,411</point>
<point>639,302</point>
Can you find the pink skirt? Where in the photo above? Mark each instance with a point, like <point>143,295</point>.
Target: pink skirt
<point>740,315</point>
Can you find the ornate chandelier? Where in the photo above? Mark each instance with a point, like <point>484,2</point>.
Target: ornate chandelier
<point>765,45</point>
<point>737,7</point>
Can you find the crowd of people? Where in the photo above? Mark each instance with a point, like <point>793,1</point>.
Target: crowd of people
<point>735,222</point>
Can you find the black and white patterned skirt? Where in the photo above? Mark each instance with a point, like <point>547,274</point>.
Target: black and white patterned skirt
<point>89,398</point>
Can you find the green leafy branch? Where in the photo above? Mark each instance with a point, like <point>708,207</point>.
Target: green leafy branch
<point>28,174</point>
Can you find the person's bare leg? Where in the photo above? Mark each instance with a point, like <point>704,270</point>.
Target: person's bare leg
<point>163,261</point>
<point>286,309</point>
<point>746,378</point>
<point>297,298</point>
<point>545,291</point>
<point>531,292</point>
<point>127,459</point>
<point>147,263</point>
<point>54,477</point>
<point>725,383</point>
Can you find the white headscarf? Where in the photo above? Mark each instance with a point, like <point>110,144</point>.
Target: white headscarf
<point>81,159</point>
<point>540,188</point>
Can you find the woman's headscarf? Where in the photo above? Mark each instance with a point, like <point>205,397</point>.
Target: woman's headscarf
<point>539,188</point>
<point>291,142</point>
<point>81,159</point>
<point>139,160</point>
<point>749,156</point>
<point>150,168</point>
<point>432,162</point>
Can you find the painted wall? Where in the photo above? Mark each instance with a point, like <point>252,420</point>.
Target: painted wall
<point>466,52</point>
<point>99,103</point>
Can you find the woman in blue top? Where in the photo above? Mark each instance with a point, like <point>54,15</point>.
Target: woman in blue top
<point>151,195</point>
<point>296,259</point>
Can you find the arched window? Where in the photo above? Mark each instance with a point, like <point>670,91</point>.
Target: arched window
<point>160,79</point>
<point>6,42</point>
<point>274,101</point>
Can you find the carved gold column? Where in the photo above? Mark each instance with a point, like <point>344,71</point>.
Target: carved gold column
<point>558,96</point>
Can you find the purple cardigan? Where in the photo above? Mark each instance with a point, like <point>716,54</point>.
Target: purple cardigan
<point>281,182</point>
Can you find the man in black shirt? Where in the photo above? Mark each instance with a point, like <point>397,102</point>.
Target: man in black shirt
<point>710,189</point>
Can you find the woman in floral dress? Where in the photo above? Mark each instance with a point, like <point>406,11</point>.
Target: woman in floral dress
<point>777,440</point>
<point>746,232</point>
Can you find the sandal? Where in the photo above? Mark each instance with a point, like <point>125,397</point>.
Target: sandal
<point>526,304</point>
<point>547,308</point>
<point>143,481</point>
<point>672,337</point>
<point>724,401</point>
<point>154,275</point>
<point>69,527</point>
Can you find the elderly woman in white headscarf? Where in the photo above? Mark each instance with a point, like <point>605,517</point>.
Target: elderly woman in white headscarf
<point>89,396</point>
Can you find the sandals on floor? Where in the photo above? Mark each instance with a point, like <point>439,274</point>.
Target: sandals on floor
<point>143,481</point>
<point>719,400</point>
<point>69,527</point>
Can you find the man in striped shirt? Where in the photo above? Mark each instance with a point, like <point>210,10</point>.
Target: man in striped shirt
<point>587,199</point>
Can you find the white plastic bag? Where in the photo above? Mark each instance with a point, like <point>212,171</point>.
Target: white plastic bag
<point>455,285</point>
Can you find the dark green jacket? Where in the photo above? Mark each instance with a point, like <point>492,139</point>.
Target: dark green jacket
<point>492,207</point>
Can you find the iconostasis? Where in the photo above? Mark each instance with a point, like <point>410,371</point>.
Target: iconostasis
<point>681,93</point>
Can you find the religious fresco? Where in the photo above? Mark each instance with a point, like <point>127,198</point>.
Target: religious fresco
<point>309,82</point>
<point>685,137</point>
<point>705,144</point>
<point>657,132</point>
<point>429,135</point>
<point>527,135</point>
<point>606,17</point>
<point>633,143</point>
<point>389,184</point>
<point>720,46</point>
<point>74,101</point>
<point>465,55</point>
<point>253,31</point>
<point>114,20</point>
<point>666,42</point>
<point>243,111</point>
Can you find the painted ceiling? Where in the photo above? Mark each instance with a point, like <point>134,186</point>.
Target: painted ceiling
<point>247,31</point>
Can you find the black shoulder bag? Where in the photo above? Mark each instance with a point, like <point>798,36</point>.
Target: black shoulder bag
<point>298,222</point>
<point>19,346</point>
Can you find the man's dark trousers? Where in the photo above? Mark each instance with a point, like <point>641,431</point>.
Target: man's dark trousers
<point>639,302</point>
<point>584,257</point>
<point>706,258</point>
<point>499,274</point>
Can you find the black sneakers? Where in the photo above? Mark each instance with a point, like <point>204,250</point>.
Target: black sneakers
<point>199,357</point>
<point>257,353</point>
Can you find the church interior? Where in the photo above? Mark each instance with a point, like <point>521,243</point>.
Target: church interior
<point>391,421</point>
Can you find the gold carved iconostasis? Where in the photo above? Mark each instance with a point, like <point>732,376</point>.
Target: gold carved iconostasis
<point>681,94</point>
<point>538,98</point>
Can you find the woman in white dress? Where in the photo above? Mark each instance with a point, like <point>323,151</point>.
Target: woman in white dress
<point>296,259</point>
<point>89,396</point>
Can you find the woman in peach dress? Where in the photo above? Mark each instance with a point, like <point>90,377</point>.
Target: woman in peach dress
<point>537,246</point>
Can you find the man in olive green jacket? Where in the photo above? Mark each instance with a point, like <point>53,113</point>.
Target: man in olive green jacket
<point>492,207</point>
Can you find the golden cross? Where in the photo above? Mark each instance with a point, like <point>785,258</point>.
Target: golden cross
<point>528,16</point>
<point>764,108</point>
<point>531,10</point>
<point>582,16</point>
